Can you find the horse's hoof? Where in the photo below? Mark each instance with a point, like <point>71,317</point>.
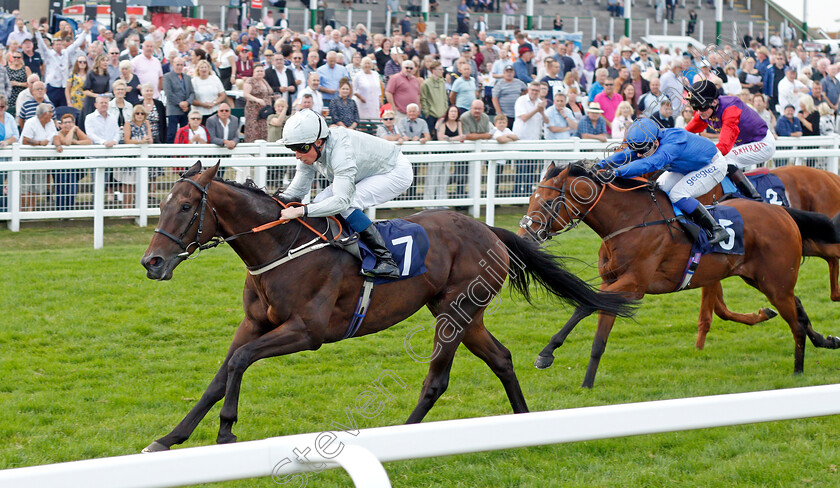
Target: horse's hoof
<point>226,439</point>
<point>544,362</point>
<point>769,312</point>
<point>154,447</point>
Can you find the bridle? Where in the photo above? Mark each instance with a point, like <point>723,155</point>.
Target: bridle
<point>553,206</point>
<point>218,239</point>
<point>197,215</point>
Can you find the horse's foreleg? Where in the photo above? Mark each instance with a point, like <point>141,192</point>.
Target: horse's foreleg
<point>833,269</point>
<point>707,307</point>
<point>482,343</point>
<point>215,392</point>
<point>546,356</point>
<point>291,337</point>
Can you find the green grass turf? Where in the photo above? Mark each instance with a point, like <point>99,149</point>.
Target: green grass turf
<point>97,361</point>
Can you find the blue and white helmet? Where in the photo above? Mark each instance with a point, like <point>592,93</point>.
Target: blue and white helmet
<point>643,136</point>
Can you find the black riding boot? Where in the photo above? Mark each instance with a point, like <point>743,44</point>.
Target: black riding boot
<point>703,218</point>
<point>743,183</point>
<point>385,267</point>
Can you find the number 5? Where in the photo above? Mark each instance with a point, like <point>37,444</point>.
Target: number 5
<point>728,244</point>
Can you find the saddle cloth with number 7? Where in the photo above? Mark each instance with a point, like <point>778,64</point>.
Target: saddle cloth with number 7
<point>407,241</point>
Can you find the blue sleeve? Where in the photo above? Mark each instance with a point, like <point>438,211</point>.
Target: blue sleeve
<point>620,158</point>
<point>768,82</point>
<point>664,155</point>
<point>797,126</point>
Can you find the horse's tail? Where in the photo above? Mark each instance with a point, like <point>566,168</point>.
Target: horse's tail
<point>529,262</point>
<point>815,226</point>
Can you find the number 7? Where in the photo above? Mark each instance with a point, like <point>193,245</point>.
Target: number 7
<point>409,244</point>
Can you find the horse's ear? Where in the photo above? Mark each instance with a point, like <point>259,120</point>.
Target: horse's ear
<point>210,173</point>
<point>195,169</point>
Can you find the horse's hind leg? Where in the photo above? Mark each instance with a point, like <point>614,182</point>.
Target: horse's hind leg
<point>482,343</point>
<point>712,300</point>
<point>817,339</point>
<point>546,356</point>
<point>215,392</point>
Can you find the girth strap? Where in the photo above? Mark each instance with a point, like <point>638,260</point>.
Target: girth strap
<point>361,309</point>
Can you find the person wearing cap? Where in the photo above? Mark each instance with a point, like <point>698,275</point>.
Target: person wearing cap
<point>522,66</point>
<point>693,167</point>
<point>788,125</point>
<point>593,126</point>
<point>506,92</point>
<point>394,64</point>
<point>403,88</point>
<point>363,171</point>
<point>744,136</point>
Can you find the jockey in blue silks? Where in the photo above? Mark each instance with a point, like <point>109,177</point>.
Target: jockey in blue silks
<point>694,166</point>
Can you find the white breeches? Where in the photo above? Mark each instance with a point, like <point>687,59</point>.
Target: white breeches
<point>696,183</point>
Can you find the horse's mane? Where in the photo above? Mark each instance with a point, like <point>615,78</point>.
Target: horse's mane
<point>248,186</point>
<point>583,169</point>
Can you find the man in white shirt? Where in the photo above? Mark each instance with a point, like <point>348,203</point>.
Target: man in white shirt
<point>40,129</point>
<point>148,68</point>
<point>312,89</point>
<point>100,127</point>
<point>19,34</point>
<point>57,64</point>
<point>791,89</point>
<point>527,125</point>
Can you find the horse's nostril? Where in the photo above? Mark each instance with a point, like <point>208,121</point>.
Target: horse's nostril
<point>153,262</point>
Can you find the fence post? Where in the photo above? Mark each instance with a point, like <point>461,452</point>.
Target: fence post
<point>833,161</point>
<point>98,207</point>
<point>261,172</point>
<point>369,19</point>
<point>521,22</point>
<point>612,28</point>
<point>575,24</point>
<point>141,200</point>
<point>595,28</point>
<point>490,207</point>
<point>767,30</point>
<point>14,192</point>
<point>664,27</point>
<point>750,28</point>
<point>682,27</point>
<point>446,23</point>
<point>350,18</point>
<point>539,22</point>
<point>749,5</point>
<point>474,183</point>
<point>647,26</point>
<point>700,30</point>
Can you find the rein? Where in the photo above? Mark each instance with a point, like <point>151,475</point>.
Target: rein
<point>218,239</point>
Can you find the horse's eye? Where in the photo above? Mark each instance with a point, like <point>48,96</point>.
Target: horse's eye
<point>185,207</point>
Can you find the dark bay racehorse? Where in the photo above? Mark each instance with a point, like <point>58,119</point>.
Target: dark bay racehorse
<point>309,301</point>
<point>810,189</point>
<point>645,252</point>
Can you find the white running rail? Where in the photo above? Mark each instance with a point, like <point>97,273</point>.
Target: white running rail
<point>362,454</point>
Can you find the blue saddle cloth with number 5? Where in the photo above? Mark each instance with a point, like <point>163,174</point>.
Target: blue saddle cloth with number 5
<point>408,243</point>
<point>730,219</point>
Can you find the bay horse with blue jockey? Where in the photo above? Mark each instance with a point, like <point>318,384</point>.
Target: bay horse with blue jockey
<point>644,252</point>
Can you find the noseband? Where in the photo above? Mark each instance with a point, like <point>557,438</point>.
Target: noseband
<point>197,215</point>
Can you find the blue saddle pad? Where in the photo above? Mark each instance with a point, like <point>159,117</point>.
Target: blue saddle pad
<point>770,187</point>
<point>407,241</point>
<point>730,219</point>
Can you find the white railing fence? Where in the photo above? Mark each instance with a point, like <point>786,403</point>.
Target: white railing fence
<point>129,181</point>
<point>361,452</point>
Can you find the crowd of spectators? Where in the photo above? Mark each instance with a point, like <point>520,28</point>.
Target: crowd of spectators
<point>183,85</point>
